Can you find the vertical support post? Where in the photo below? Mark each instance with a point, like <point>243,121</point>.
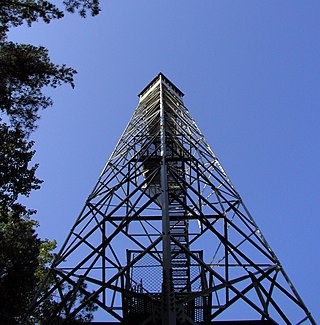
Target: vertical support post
<point>168,307</point>
<point>104,236</point>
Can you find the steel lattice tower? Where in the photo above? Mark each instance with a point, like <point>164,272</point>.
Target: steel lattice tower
<point>164,237</point>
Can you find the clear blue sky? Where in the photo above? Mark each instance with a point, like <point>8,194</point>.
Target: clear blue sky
<point>250,71</point>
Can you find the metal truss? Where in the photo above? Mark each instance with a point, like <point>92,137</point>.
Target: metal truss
<point>164,237</point>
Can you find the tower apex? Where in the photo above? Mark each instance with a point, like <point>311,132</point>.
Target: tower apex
<point>165,80</point>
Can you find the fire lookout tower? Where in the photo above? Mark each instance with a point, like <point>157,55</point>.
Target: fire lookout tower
<point>164,237</point>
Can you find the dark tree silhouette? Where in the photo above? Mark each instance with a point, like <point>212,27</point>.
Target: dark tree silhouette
<point>14,13</point>
<point>25,71</point>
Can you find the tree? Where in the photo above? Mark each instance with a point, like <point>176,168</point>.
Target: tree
<point>19,251</point>
<point>14,13</point>
<point>24,257</point>
<point>82,7</point>
<point>16,177</point>
<point>24,262</point>
<point>25,70</point>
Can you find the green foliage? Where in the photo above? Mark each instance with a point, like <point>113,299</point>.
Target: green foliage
<point>82,7</point>
<point>24,262</point>
<point>19,251</point>
<point>42,314</point>
<point>45,257</point>
<point>16,177</point>
<point>14,13</point>
<point>24,71</point>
